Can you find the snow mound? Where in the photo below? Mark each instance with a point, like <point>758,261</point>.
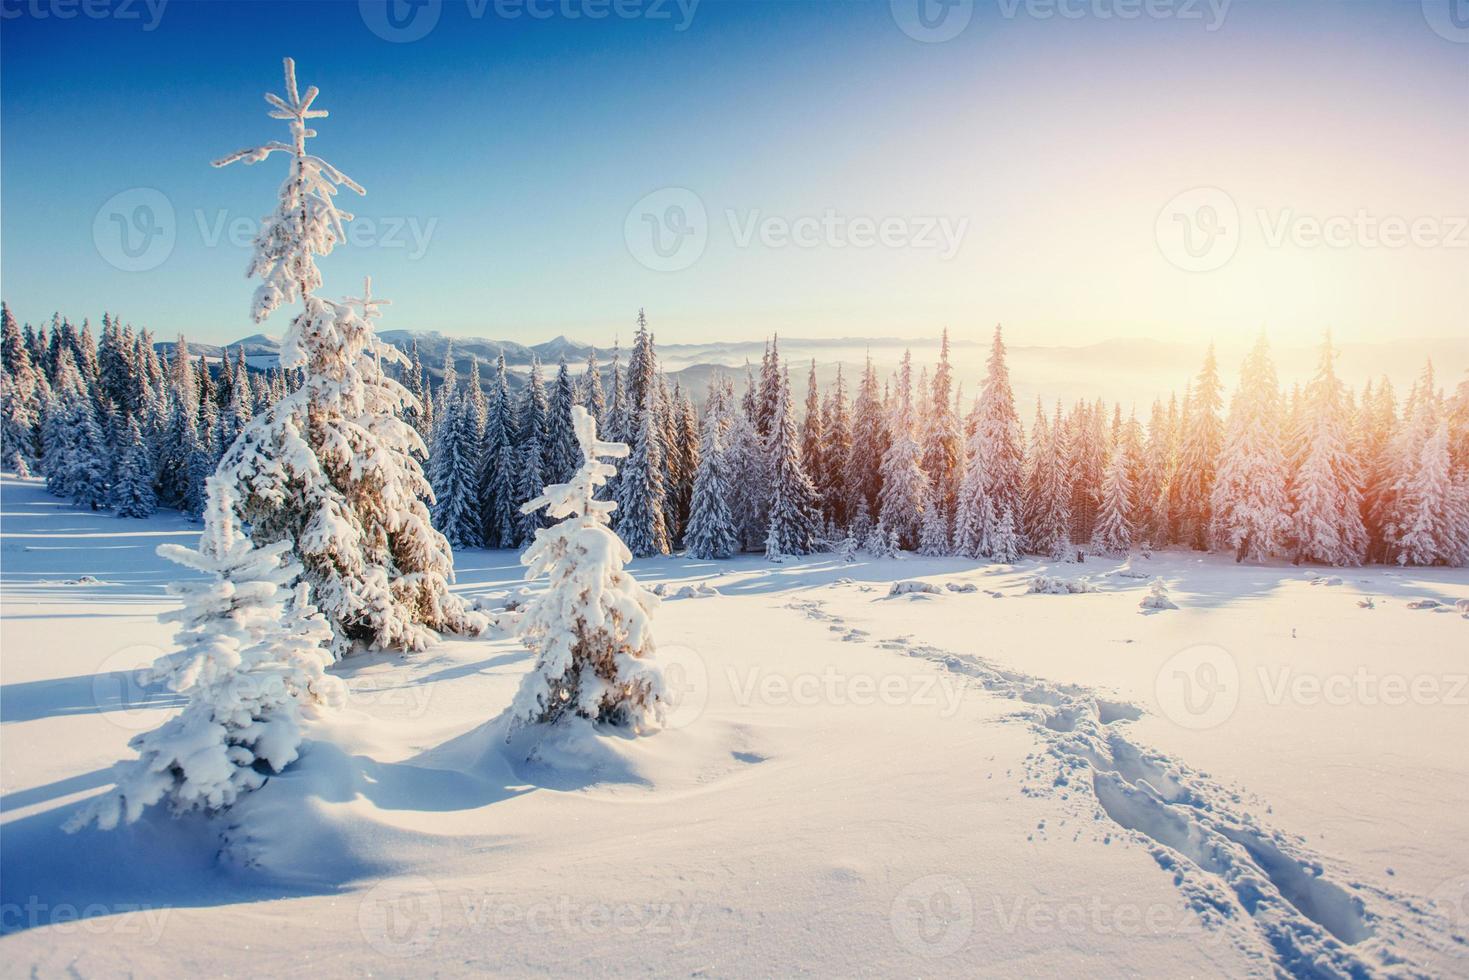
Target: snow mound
<point>961,587</point>
<point>1463,606</point>
<point>1424,604</point>
<point>914,587</point>
<point>1326,580</point>
<point>701,591</point>
<point>1048,585</point>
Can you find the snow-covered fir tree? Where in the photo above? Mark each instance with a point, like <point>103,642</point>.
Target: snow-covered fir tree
<point>1433,512</point>
<point>251,665</point>
<point>642,524</point>
<point>837,432</point>
<point>976,523</point>
<point>499,464</point>
<point>1114,531</point>
<point>591,628</point>
<point>589,389</point>
<point>904,485</point>
<point>20,399</point>
<point>331,467</point>
<point>562,455</point>
<point>943,449</point>
<point>1192,490</point>
<point>869,445</point>
<point>132,489</point>
<point>999,433</point>
<point>1250,508</point>
<point>1050,526</point>
<point>711,532</point>
<point>794,515</point>
<point>1325,493</point>
<point>813,432</point>
<point>749,481</point>
<point>456,471</point>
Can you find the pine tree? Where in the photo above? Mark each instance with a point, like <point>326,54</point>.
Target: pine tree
<point>642,525</point>
<point>252,666</point>
<point>1326,498</point>
<point>686,444</point>
<point>813,433</point>
<point>1249,502</point>
<point>499,465</point>
<point>869,445</point>
<point>943,445</point>
<point>750,495</point>
<point>1005,547</point>
<point>1191,493</point>
<point>590,395</point>
<point>90,459</point>
<point>711,532</point>
<point>1433,516</point>
<point>456,472</point>
<point>1050,529</point>
<point>1157,475</point>
<point>591,628</point>
<point>1374,451</point>
<point>20,400</point>
<point>132,493</point>
<point>976,523</point>
<point>999,432</point>
<point>837,429</point>
<point>794,515</point>
<point>904,485</point>
<point>562,455</point>
<point>331,467</point>
<point>1114,531</point>
<point>1087,443</point>
<point>530,467</point>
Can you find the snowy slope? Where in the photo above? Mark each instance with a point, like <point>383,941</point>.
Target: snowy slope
<point>931,783</point>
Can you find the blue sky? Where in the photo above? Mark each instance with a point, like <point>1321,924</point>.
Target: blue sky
<point>503,155</point>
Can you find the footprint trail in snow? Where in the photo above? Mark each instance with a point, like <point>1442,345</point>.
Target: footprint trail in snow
<point>1276,901</point>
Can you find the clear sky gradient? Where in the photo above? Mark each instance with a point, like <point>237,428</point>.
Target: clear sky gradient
<point>503,155</point>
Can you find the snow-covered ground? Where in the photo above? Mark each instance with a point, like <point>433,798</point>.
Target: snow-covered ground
<point>947,782</point>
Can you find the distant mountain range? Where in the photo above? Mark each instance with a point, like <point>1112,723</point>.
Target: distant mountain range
<point>1126,370</point>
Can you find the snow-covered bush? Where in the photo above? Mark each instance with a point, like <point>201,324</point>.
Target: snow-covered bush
<point>332,467</point>
<point>1048,585</point>
<point>1157,597</point>
<point>591,629</point>
<point>252,664</point>
<point>914,587</point>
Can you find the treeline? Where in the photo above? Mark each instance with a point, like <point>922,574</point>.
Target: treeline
<point>1320,474</point>
<point>111,423</point>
